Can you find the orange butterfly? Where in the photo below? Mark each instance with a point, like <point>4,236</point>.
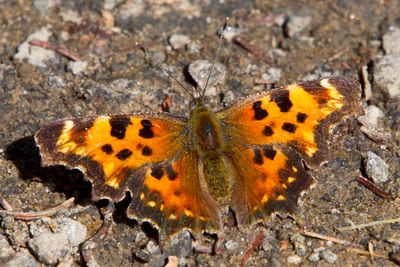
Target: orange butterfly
<point>181,172</point>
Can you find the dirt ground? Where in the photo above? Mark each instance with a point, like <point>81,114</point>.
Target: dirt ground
<point>275,43</point>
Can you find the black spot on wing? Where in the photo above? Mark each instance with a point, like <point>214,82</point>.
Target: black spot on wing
<point>268,131</point>
<point>157,172</point>
<point>147,151</point>
<point>283,101</point>
<point>289,127</point>
<point>269,153</point>
<point>118,126</point>
<point>259,112</point>
<point>124,154</point>
<point>301,117</point>
<point>171,172</point>
<point>107,148</point>
<point>258,157</point>
<point>146,131</point>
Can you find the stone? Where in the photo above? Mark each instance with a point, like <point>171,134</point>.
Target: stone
<point>231,245</point>
<point>387,75</point>
<point>181,245</point>
<point>200,69</point>
<point>229,33</point>
<point>299,243</point>
<point>21,258</point>
<point>372,118</point>
<point>50,248</point>
<point>6,249</point>
<point>77,67</point>
<point>179,41</point>
<point>297,24</point>
<point>328,256</point>
<point>272,75</point>
<point>45,6</point>
<point>75,231</point>
<point>35,55</point>
<point>376,168</point>
<point>294,259</point>
<point>391,41</point>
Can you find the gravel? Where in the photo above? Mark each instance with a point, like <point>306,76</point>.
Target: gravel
<point>391,41</point>
<point>179,41</point>
<point>294,259</point>
<point>376,168</point>
<point>297,24</point>
<point>50,248</point>
<point>36,56</point>
<point>200,69</point>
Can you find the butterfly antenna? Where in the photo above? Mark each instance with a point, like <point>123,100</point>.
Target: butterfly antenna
<point>159,66</point>
<point>221,37</point>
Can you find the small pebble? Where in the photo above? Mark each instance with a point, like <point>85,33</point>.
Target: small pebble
<point>272,75</point>
<point>6,249</point>
<point>152,247</point>
<point>45,6</point>
<point>372,117</point>
<point>35,55</point>
<point>229,33</point>
<point>200,69</point>
<point>231,245</point>
<point>21,258</point>
<point>75,231</point>
<point>181,245</point>
<point>298,242</point>
<point>193,47</point>
<point>314,257</point>
<point>376,168</point>
<point>387,74</point>
<point>328,256</point>
<point>50,248</point>
<point>391,41</point>
<point>179,41</point>
<point>294,259</point>
<point>77,67</point>
<point>297,24</point>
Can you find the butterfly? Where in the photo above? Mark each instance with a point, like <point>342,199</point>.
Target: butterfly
<point>181,172</point>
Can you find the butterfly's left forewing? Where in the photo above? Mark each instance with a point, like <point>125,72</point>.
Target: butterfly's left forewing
<point>269,135</point>
<point>142,154</point>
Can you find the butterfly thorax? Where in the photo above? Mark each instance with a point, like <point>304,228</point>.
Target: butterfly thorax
<point>209,143</point>
<point>207,132</point>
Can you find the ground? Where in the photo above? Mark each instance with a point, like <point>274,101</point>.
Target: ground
<point>275,43</point>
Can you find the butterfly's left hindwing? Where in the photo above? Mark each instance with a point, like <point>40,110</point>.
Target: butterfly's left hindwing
<point>141,154</point>
<point>269,135</point>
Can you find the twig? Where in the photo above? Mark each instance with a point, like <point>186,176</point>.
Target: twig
<point>26,216</point>
<point>329,238</point>
<point>257,241</point>
<point>256,51</point>
<point>366,83</point>
<point>4,203</point>
<point>59,49</point>
<point>366,253</point>
<point>373,187</point>
<point>359,226</point>
<point>338,54</point>
<point>371,251</point>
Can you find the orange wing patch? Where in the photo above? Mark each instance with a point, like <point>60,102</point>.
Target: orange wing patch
<point>271,179</point>
<point>172,194</point>
<point>300,115</point>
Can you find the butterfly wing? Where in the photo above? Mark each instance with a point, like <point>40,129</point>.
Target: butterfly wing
<point>269,135</point>
<point>141,154</point>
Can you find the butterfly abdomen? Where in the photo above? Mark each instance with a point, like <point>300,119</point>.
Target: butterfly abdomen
<point>209,143</point>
